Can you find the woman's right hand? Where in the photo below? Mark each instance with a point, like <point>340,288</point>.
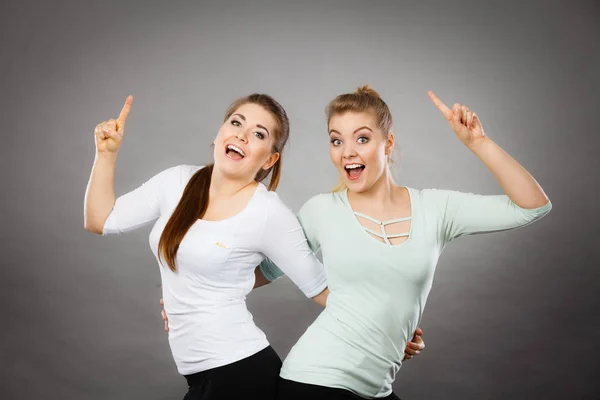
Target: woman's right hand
<point>109,134</point>
<point>164,315</point>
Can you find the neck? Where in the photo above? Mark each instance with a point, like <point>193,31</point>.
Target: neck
<point>222,186</point>
<point>383,190</point>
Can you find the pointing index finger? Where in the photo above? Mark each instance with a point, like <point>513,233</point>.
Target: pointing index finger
<point>441,106</point>
<point>124,113</point>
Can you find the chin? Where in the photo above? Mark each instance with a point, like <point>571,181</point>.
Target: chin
<point>357,188</point>
<point>226,168</point>
<point>352,185</point>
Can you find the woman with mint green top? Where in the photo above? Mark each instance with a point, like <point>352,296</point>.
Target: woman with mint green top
<point>380,245</point>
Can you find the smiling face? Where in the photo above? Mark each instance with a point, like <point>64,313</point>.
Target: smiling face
<point>245,142</point>
<point>359,149</point>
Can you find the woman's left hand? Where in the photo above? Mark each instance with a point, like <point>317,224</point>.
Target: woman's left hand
<point>415,346</point>
<point>463,121</point>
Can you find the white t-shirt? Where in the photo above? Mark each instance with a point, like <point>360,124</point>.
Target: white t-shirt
<point>209,323</point>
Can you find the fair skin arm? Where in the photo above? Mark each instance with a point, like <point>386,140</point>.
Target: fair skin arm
<point>100,192</point>
<point>516,181</point>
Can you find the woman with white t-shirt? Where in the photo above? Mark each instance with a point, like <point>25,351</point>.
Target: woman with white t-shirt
<point>214,225</point>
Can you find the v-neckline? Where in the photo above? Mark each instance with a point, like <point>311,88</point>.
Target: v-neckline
<point>353,214</point>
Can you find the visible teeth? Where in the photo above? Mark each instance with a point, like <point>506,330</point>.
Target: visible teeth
<point>236,149</point>
<point>352,166</point>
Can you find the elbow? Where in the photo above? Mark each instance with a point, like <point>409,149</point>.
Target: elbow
<point>545,203</point>
<point>532,214</point>
<point>535,204</point>
<point>93,227</point>
<point>545,206</point>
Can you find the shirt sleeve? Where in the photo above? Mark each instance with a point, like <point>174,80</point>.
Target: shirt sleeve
<point>288,251</point>
<point>142,205</point>
<point>467,214</point>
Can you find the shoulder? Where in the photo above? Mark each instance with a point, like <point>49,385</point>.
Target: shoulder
<point>444,201</point>
<point>430,201</point>
<point>185,172</point>
<point>270,202</point>
<point>173,179</point>
<point>432,196</point>
<point>179,174</point>
<point>319,208</point>
<point>321,202</point>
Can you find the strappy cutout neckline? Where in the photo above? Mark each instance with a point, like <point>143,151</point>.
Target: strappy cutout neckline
<point>382,224</point>
<point>383,235</point>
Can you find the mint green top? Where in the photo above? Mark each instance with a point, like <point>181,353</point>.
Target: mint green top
<point>379,290</point>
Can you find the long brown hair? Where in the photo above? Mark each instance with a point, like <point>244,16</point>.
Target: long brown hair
<point>194,201</point>
<point>363,99</point>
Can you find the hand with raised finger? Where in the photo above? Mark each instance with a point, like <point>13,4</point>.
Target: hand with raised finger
<point>164,315</point>
<point>414,347</point>
<point>109,134</point>
<point>464,122</point>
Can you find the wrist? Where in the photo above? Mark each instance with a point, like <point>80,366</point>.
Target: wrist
<point>480,145</point>
<point>106,157</point>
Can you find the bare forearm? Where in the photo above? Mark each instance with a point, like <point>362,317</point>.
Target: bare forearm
<point>515,180</point>
<point>100,192</point>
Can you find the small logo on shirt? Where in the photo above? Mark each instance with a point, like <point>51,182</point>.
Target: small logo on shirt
<point>222,245</point>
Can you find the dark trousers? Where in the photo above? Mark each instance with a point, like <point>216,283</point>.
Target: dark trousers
<point>254,377</point>
<point>291,390</point>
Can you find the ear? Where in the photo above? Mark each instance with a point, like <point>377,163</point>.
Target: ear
<point>271,161</point>
<point>389,145</point>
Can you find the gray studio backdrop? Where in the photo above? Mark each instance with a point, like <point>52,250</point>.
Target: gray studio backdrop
<point>511,315</point>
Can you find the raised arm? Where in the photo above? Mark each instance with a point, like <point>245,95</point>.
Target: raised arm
<point>518,184</point>
<point>100,193</point>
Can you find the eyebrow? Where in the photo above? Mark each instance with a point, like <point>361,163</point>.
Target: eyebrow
<point>258,125</point>
<point>262,127</point>
<point>356,130</point>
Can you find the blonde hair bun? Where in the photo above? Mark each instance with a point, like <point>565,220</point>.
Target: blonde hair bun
<point>366,89</point>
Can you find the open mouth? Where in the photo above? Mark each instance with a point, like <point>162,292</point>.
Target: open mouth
<point>353,171</point>
<point>234,152</point>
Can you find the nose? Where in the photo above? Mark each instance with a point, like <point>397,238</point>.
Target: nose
<point>242,135</point>
<point>348,151</point>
